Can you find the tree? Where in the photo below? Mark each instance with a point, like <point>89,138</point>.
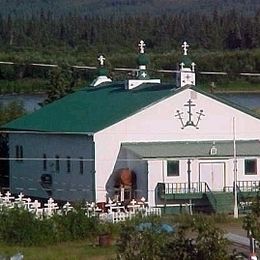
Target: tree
<point>61,83</point>
<point>252,221</point>
<point>197,240</point>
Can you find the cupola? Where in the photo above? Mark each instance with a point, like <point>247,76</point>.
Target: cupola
<point>186,75</point>
<point>142,75</point>
<point>102,72</point>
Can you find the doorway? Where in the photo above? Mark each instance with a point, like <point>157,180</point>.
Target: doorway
<point>213,173</point>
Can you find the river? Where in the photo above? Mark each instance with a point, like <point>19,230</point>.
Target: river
<point>31,102</point>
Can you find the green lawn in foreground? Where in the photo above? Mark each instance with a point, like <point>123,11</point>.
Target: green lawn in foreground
<point>64,251</point>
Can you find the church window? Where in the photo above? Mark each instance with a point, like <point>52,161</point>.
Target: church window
<point>173,168</point>
<point>250,167</point>
<point>81,165</point>
<point>68,164</point>
<point>57,163</point>
<point>19,152</point>
<point>44,162</point>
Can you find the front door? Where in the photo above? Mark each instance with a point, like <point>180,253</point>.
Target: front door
<point>213,174</point>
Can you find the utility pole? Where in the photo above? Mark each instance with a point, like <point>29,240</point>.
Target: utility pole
<point>235,170</point>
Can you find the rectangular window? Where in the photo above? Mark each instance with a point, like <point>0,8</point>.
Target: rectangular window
<point>57,163</point>
<point>17,155</point>
<point>68,164</point>
<point>173,168</point>
<point>44,166</point>
<point>19,152</point>
<point>81,165</point>
<point>250,167</point>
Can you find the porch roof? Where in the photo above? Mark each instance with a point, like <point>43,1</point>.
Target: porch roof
<point>194,149</point>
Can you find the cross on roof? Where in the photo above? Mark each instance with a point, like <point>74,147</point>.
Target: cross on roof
<point>141,45</point>
<point>193,66</point>
<point>101,60</point>
<point>185,46</point>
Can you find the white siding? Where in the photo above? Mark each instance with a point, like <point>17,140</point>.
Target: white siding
<point>159,123</point>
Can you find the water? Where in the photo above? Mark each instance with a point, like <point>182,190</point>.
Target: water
<point>250,101</point>
<point>31,102</point>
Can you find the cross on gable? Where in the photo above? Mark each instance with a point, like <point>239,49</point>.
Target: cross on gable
<point>101,60</point>
<point>141,45</point>
<point>144,74</point>
<point>187,76</point>
<point>185,46</point>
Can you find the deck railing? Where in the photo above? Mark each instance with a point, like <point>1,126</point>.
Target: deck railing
<point>245,186</point>
<point>193,187</point>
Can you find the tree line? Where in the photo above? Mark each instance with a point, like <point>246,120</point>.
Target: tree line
<point>218,31</point>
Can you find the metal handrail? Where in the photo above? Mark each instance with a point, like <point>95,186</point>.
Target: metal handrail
<point>211,196</point>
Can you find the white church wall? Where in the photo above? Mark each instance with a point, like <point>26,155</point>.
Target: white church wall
<point>159,123</point>
<point>26,174</point>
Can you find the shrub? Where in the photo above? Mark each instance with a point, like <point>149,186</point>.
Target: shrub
<point>18,226</point>
<point>75,226</point>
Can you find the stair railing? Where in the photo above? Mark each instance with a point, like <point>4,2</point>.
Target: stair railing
<point>211,196</point>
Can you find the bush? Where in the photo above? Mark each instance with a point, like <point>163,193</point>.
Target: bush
<point>75,226</point>
<point>197,239</point>
<point>20,227</point>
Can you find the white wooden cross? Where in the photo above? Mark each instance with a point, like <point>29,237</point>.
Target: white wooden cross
<point>141,45</point>
<point>20,200</point>
<point>182,65</point>
<point>36,207</point>
<point>185,46</point>
<point>7,199</point>
<point>50,207</point>
<point>67,207</point>
<point>101,60</point>
<point>28,203</point>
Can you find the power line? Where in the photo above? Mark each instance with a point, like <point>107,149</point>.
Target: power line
<point>86,67</point>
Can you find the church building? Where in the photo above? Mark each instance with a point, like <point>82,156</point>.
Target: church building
<point>171,143</point>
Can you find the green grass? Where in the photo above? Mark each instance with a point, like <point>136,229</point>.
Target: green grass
<point>64,251</point>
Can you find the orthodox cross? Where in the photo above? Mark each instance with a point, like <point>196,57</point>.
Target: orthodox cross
<point>190,121</point>
<point>189,105</point>
<point>101,60</point>
<point>141,45</point>
<point>185,46</point>
<point>193,66</point>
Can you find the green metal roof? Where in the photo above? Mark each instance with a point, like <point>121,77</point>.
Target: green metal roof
<point>191,149</point>
<point>91,109</point>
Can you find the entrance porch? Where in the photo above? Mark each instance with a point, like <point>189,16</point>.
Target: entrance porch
<point>203,199</point>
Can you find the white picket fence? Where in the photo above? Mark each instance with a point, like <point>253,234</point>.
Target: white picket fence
<point>115,211</point>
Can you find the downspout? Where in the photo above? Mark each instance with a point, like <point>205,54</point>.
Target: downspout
<point>94,170</point>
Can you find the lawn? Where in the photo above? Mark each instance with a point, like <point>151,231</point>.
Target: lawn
<point>64,251</point>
